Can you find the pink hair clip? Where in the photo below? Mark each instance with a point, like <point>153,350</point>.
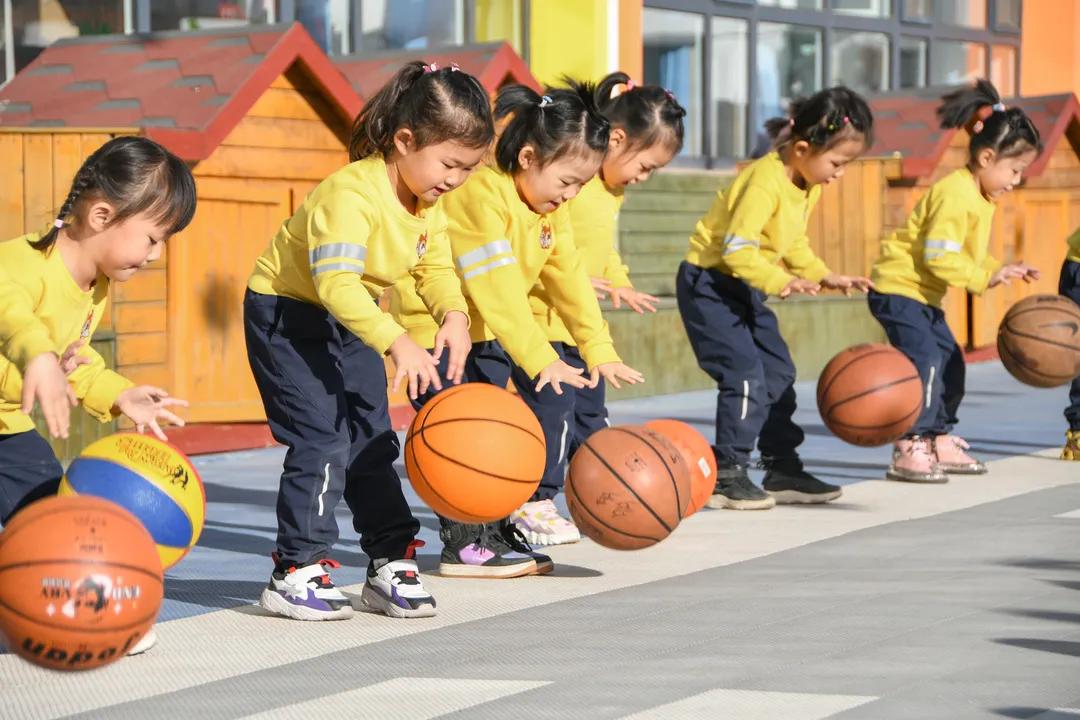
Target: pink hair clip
<point>791,122</point>
<point>431,68</point>
<point>630,85</point>
<point>670,95</point>
<point>58,223</point>
<point>847,120</point>
<point>454,67</point>
<point>977,127</point>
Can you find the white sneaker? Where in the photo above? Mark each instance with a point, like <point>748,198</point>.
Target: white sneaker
<point>395,589</point>
<point>542,524</point>
<point>146,642</point>
<point>306,593</point>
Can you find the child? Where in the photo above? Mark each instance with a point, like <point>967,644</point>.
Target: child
<point>125,201</point>
<point>733,265</point>
<point>316,337</point>
<point>1069,286</point>
<point>945,244</point>
<point>509,228</point>
<point>646,133</point>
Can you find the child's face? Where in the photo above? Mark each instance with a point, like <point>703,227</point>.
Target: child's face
<point>998,176</point>
<point>624,165</point>
<point>546,188</point>
<point>822,168</point>
<point>123,248</point>
<point>435,169</point>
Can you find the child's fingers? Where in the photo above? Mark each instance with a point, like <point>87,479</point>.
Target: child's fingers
<point>156,429</point>
<point>440,343</point>
<point>556,386</point>
<point>175,420</point>
<point>542,381</point>
<point>399,375</point>
<point>613,380</point>
<point>615,303</point>
<point>432,377</point>
<point>171,401</point>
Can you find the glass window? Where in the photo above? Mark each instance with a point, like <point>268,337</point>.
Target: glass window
<point>1007,15</point>
<point>7,52</point>
<point>729,96</point>
<point>36,24</point>
<point>860,60</point>
<point>918,10</point>
<point>966,13</point>
<point>329,22</point>
<point>409,24</point>
<point>866,8</point>
<point>208,14</point>
<point>789,65</point>
<point>953,62</point>
<point>1003,69</point>
<point>799,4</point>
<point>673,47</point>
<point>912,62</point>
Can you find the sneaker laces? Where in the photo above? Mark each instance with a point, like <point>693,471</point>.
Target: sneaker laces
<point>515,538</point>
<point>919,447</point>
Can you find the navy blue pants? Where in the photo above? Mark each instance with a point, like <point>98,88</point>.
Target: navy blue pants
<point>487,363</point>
<point>324,392</point>
<point>737,341</point>
<point>1069,286</point>
<point>920,332</point>
<point>29,471</point>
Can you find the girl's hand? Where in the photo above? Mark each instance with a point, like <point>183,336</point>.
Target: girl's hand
<point>1013,271</point>
<point>413,362</point>
<point>454,335</point>
<point>614,372</point>
<point>798,285</point>
<point>601,286</point>
<point>1031,274</point>
<point>45,384</point>
<point>559,372</point>
<point>71,358</point>
<point>639,302</point>
<point>847,283</point>
<point>145,405</point>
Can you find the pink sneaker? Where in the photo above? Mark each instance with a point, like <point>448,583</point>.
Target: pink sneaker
<point>952,458</point>
<point>913,461</point>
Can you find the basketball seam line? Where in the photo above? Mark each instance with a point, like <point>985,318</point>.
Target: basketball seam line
<point>601,521</point>
<point>431,487</point>
<point>915,411</point>
<point>845,366</point>
<point>485,419</point>
<point>864,393</point>
<point>1010,353</point>
<point>1029,336</point>
<point>627,486</point>
<point>470,467</point>
<point>671,475</point>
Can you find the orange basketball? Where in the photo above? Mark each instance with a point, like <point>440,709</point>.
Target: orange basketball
<point>869,394</point>
<point>475,453</point>
<point>698,455</point>
<point>628,487</point>
<point>80,582</point>
<point>1039,340</point>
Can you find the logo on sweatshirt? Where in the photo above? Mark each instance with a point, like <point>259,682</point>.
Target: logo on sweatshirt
<point>545,235</point>
<point>85,332</point>
<point>421,245</point>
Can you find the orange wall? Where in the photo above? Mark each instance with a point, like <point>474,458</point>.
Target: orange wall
<point>1050,49</point>
<point>630,34</point>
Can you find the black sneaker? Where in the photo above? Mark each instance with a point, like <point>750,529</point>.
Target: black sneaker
<point>515,538</point>
<point>735,491</point>
<point>479,551</point>
<point>788,482</point>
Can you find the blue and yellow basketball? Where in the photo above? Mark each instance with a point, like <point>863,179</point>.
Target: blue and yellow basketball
<point>150,478</point>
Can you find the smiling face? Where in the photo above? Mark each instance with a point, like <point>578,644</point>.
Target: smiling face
<point>999,175</point>
<point>626,165</point>
<point>433,170</point>
<point>545,187</point>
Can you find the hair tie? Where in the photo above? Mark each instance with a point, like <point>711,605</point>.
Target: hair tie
<point>791,122</point>
<point>545,101</point>
<point>670,95</point>
<point>630,85</point>
<point>58,223</point>
<point>977,127</point>
<point>431,68</point>
<point>998,107</point>
<point>847,120</point>
<point>454,67</point>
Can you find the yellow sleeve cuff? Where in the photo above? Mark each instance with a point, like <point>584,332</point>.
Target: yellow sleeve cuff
<point>383,334</point>
<point>775,281</point>
<point>980,279</point>
<point>600,354</point>
<point>100,398</point>
<point>537,359</point>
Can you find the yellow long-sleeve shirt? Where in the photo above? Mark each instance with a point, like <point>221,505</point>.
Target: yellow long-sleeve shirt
<point>594,216</point>
<point>944,243</point>
<point>43,310</point>
<point>501,249</point>
<point>754,223</point>
<point>1074,246</point>
<point>349,241</point>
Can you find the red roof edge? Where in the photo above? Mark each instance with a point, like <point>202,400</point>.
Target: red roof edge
<point>1069,114</point>
<point>294,46</point>
<point>507,62</point>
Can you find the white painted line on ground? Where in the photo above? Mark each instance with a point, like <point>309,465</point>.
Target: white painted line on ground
<point>753,705</point>
<point>1072,515</point>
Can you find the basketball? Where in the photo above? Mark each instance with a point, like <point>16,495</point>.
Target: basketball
<point>1039,340</point>
<point>149,478</point>
<point>80,582</point>
<point>475,453</point>
<point>628,487</point>
<point>697,454</point>
<point>869,394</point>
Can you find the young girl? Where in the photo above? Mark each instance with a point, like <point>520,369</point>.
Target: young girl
<point>733,265</point>
<point>646,133</point>
<point>509,228</point>
<point>945,244</point>
<point>125,202</point>
<point>1069,286</point>
<point>316,337</point>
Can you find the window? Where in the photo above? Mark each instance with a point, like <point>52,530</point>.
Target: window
<point>36,25</point>
<point>953,62</point>
<point>729,78</point>
<point>912,62</point>
<point>1007,15</point>
<point>789,65</point>
<point>673,48</point>
<point>410,24</point>
<point>798,4</point>
<point>208,14</point>
<point>1003,69</point>
<point>328,22</point>
<point>917,10</point>
<point>965,13</point>
<point>866,8</point>
<point>860,60</point>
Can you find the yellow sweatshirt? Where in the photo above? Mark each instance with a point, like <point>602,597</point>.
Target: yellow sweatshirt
<point>501,249</point>
<point>944,243</point>
<point>1074,246</point>
<point>754,223</point>
<point>352,239</point>
<point>43,310</point>
<point>594,215</point>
